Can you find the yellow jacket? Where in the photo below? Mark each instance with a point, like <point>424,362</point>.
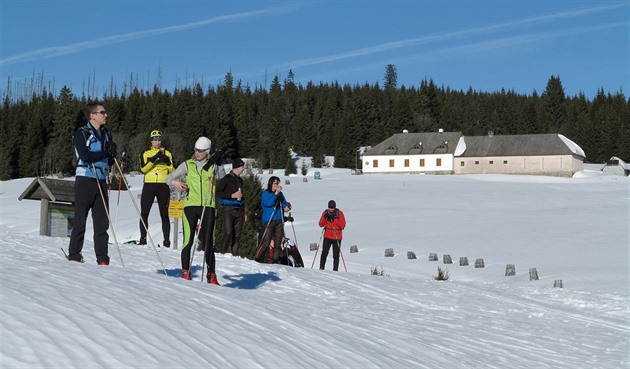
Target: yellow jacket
<point>155,173</point>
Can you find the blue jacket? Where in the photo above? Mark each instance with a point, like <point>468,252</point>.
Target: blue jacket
<point>91,151</point>
<point>270,211</point>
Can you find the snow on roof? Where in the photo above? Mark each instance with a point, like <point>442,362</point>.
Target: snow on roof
<point>577,150</point>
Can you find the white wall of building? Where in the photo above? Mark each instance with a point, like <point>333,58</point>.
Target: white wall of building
<point>434,163</point>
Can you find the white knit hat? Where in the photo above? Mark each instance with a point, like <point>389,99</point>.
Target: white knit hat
<point>203,143</point>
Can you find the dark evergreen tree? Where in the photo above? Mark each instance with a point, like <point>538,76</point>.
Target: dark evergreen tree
<point>554,112</point>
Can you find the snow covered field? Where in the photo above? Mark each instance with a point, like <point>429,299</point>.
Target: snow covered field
<point>56,314</point>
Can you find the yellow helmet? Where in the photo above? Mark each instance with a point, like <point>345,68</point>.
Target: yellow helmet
<point>155,133</point>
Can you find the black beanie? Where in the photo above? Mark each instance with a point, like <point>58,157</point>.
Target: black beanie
<point>332,204</point>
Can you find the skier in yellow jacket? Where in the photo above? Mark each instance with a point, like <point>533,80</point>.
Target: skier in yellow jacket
<point>156,164</point>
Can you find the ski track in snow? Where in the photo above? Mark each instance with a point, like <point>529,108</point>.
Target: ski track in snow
<point>372,310</point>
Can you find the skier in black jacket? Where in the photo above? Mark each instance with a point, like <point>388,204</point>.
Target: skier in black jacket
<point>230,194</point>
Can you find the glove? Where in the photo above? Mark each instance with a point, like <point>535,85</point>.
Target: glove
<point>110,147</point>
<point>278,202</point>
<point>153,158</point>
<point>217,157</point>
<point>161,158</point>
<point>289,219</point>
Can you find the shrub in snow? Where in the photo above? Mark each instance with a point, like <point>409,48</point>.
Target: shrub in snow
<point>442,275</point>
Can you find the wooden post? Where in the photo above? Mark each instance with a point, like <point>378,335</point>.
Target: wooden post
<point>313,246</point>
<point>411,255</point>
<point>433,256</point>
<point>389,253</point>
<point>533,274</point>
<point>354,249</point>
<point>446,259</point>
<point>557,283</point>
<point>510,270</point>
<point>43,217</point>
<point>479,263</point>
<point>463,261</point>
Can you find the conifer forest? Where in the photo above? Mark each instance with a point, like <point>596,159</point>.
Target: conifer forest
<point>317,120</point>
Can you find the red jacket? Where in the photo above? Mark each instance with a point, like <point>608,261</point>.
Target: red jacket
<point>335,227</point>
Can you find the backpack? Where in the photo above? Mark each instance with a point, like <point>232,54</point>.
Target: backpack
<point>86,134</point>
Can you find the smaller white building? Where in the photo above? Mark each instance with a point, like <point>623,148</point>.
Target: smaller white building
<point>616,167</point>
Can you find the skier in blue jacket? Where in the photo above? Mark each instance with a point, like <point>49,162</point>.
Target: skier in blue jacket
<point>274,204</point>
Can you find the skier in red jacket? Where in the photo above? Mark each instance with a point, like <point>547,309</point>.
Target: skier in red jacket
<point>334,222</point>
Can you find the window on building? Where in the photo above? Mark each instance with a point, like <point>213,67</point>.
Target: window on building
<point>406,163</point>
<point>504,161</point>
<point>391,163</point>
<point>612,163</point>
<point>375,163</point>
<point>438,162</point>
<point>491,162</point>
<point>461,163</point>
<point>476,162</point>
<point>421,163</point>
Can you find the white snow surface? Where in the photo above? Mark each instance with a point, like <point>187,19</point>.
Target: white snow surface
<point>60,314</point>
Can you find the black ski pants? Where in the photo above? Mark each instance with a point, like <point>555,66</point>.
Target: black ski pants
<point>192,214</point>
<point>149,192</point>
<point>87,196</point>
<point>233,219</point>
<point>336,246</point>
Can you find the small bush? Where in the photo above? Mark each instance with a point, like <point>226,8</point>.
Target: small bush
<point>376,271</point>
<point>442,275</point>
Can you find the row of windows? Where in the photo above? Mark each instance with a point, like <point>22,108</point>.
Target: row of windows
<point>438,163</point>
<point>461,163</point>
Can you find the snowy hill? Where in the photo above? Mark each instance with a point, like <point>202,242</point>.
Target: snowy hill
<point>57,314</point>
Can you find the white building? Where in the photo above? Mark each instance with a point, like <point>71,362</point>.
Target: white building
<point>453,153</point>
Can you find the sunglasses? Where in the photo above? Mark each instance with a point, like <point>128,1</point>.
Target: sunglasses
<point>200,150</point>
<point>100,112</point>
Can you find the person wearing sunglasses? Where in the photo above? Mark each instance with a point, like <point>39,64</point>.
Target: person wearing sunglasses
<point>197,176</point>
<point>156,164</point>
<point>95,151</point>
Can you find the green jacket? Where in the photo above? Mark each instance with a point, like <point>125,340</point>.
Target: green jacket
<point>200,187</point>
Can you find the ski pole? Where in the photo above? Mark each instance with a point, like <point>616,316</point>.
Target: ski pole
<point>119,186</point>
<point>262,238</point>
<point>294,235</point>
<point>138,211</point>
<point>340,253</point>
<point>109,219</point>
<point>317,249</point>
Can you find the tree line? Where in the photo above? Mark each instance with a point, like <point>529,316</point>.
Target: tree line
<point>315,120</point>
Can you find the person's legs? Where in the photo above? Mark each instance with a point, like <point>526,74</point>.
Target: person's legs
<point>163,197</point>
<point>336,249</point>
<point>325,249</point>
<point>238,229</point>
<point>82,202</point>
<point>191,215</point>
<point>207,229</point>
<point>228,226</point>
<point>100,221</point>
<point>146,201</point>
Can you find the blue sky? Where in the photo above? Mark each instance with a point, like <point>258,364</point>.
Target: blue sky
<point>483,45</point>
